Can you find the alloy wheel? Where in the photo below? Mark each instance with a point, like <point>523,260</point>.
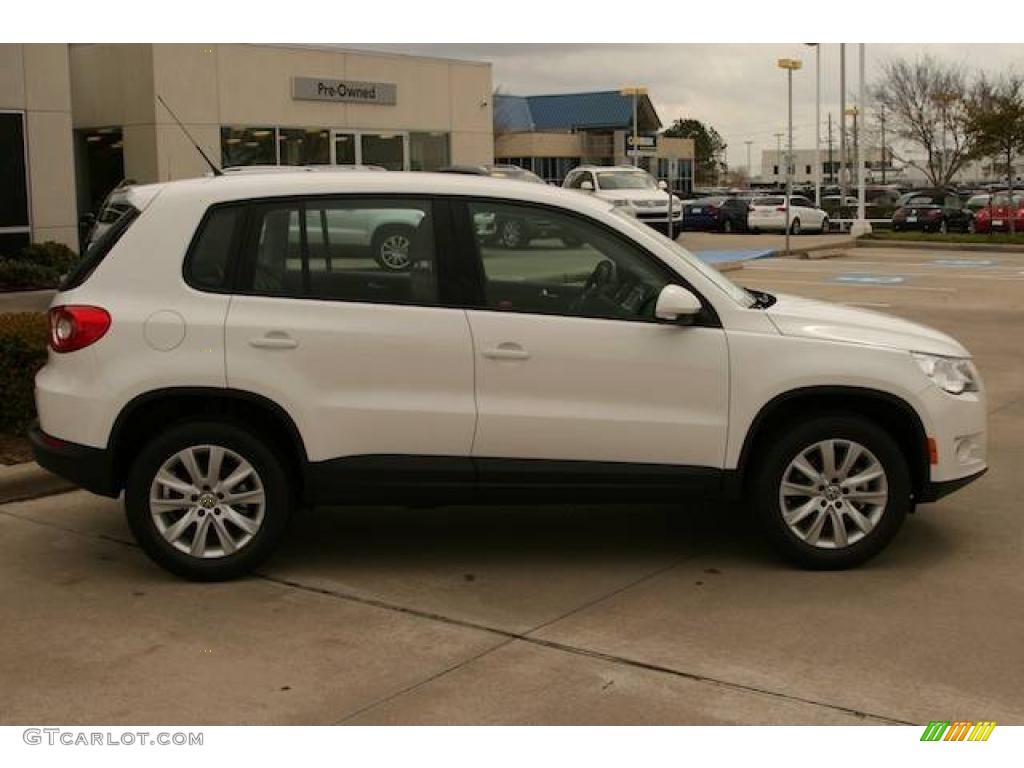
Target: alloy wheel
<point>207,501</point>
<point>833,493</point>
<point>394,252</point>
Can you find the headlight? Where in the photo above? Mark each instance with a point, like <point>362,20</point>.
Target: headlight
<point>956,375</point>
<point>620,203</point>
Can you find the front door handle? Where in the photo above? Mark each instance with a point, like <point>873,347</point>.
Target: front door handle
<point>274,340</point>
<point>507,350</point>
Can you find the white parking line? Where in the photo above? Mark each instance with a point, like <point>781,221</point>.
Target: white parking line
<point>877,304</point>
<point>881,286</point>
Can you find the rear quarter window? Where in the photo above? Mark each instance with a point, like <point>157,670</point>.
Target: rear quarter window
<point>206,265</point>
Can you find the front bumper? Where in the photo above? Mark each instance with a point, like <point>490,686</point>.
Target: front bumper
<point>87,467</point>
<point>935,490</point>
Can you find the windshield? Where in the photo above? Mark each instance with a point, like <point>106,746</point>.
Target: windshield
<point>625,180</point>
<point>1004,199</point>
<point>740,295</point>
<point>708,201</point>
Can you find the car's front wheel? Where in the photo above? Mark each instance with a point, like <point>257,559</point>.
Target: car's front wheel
<point>208,501</point>
<point>832,492</point>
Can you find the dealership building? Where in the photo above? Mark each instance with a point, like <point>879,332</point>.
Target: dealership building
<point>77,119</point>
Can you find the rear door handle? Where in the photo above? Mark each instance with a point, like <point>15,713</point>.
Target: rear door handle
<point>507,350</point>
<point>274,340</point>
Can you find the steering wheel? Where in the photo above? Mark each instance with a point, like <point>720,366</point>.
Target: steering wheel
<point>604,274</point>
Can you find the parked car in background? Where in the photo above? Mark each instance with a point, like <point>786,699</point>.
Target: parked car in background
<point>632,189</point>
<point>933,211</point>
<point>976,202</point>
<point>716,214</point>
<point>769,213</point>
<point>499,171</point>
<point>997,217</point>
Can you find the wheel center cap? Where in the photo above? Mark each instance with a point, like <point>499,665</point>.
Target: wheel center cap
<point>833,492</point>
<point>207,501</point>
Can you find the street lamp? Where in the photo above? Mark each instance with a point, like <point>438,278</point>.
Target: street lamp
<point>853,112</point>
<point>817,121</point>
<point>790,65</point>
<point>636,91</point>
<point>861,226</point>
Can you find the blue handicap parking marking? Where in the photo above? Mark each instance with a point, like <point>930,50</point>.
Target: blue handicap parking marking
<point>965,262</point>
<point>871,279</point>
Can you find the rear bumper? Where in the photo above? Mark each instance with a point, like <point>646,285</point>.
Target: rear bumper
<point>87,467</point>
<point>935,490</point>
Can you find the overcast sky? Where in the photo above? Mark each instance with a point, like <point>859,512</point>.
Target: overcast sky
<point>735,88</point>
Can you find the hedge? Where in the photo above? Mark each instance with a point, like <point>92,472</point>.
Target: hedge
<point>23,338</point>
<point>39,265</point>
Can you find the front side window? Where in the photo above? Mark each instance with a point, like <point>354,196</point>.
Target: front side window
<point>561,264</point>
<point>366,250</point>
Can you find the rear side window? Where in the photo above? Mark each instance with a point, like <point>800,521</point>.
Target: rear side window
<point>207,263</point>
<point>364,250</point>
<point>99,247</point>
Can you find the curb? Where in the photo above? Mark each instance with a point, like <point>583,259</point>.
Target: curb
<point>29,481</point>
<point>805,252</point>
<point>935,245</point>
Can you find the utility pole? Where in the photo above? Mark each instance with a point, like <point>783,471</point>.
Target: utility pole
<point>778,153</point>
<point>831,167</point>
<point>885,159</point>
<point>842,123</point>
<point>817,122</point>
<point>861,226</point>
<point>790,65</point>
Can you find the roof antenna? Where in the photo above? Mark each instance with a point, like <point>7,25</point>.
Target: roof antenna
<point>216,171</point>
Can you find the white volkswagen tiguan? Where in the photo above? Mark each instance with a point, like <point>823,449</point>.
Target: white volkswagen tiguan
<point>223,355</point>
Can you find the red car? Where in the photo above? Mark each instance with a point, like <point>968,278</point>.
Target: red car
<point>997,217</point>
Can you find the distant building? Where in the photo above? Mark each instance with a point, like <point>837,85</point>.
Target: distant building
<point>550,135</point>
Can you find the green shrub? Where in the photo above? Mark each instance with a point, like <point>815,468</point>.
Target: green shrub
<point>23,339</point>
<point>25,276</point>
<point>39,265</point>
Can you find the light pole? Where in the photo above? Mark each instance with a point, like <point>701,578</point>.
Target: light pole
<point>750,171</point>
<point>790,65</point>
<point>778,151</point>
<point>636,91</point>
<point>842,122</point>
<point>817,121</point>
<point>861,226</point>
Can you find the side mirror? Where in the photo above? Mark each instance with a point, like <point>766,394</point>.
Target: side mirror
<point>662,185</point>
<point>676,303</point>
<point>587,186</point>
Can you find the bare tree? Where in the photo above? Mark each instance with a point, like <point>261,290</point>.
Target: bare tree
<point>996,113</point>
<point>926,108</point>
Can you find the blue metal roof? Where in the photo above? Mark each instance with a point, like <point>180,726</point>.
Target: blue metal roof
<point>572,111</point>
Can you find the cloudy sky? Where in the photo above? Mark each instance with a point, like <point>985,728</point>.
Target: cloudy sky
<point>736,88</point>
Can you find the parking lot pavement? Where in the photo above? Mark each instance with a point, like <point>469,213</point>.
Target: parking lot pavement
<point>718,241</point>
<point>568,614</point>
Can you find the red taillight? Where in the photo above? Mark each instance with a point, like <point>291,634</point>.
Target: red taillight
<point>781,209</point>
<point>74,327</point>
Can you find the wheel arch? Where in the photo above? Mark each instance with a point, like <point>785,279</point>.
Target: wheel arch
<point>162,408</point>
<point>889,411</point>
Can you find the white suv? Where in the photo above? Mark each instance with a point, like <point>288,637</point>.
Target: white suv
<point>632,189</point>
<point>221,358</point>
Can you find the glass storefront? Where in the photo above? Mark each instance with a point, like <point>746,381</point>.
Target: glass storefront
<point>384,149</point>
<point>15,231</point>
<point>428,151</point>
<point>304,146</point>
<point>243,145</point>
<point>345,148</point>
<point>99,160</point>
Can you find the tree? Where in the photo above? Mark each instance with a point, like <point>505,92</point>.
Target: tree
<point>708,147</point>
<point>995,113</point>
<point>926,106</point>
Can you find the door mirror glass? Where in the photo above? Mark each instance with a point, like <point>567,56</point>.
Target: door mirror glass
<point>587,186</point>
<point>675,303</point>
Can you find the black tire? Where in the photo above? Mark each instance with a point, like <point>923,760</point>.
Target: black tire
<point>970,227</point>
<point>824,226</point>
<point>794,227</point>
<point>269,470</point>
<point>943,227</point>
<point>387,242</point>
<point>770,471</point>
<point>511,233</point>
<point>727,226</point>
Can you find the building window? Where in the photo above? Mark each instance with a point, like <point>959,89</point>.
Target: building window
<point>304,146</point>
<point>14,224</point>
<point>428,151</point>
<point>240,145</point>
<point>775,170</point>
<point>99,159</point>
<point>807,170</point>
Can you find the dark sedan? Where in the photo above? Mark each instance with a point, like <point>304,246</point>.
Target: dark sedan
<point>936,211</point>
<point>716,214</point>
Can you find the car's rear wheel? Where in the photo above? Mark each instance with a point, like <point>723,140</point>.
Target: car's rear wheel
<point>824,226</point>
<point>208,501</point>
<point>391,246</point>
<point>727,226</point>
<point>833,492</point>
<point>794,227</point>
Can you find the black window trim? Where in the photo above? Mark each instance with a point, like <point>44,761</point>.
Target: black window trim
<point>471,263</point>
<point>97,252</point>
<point>238,274</point>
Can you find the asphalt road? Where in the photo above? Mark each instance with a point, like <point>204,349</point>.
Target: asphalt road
<point>568,614</point>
